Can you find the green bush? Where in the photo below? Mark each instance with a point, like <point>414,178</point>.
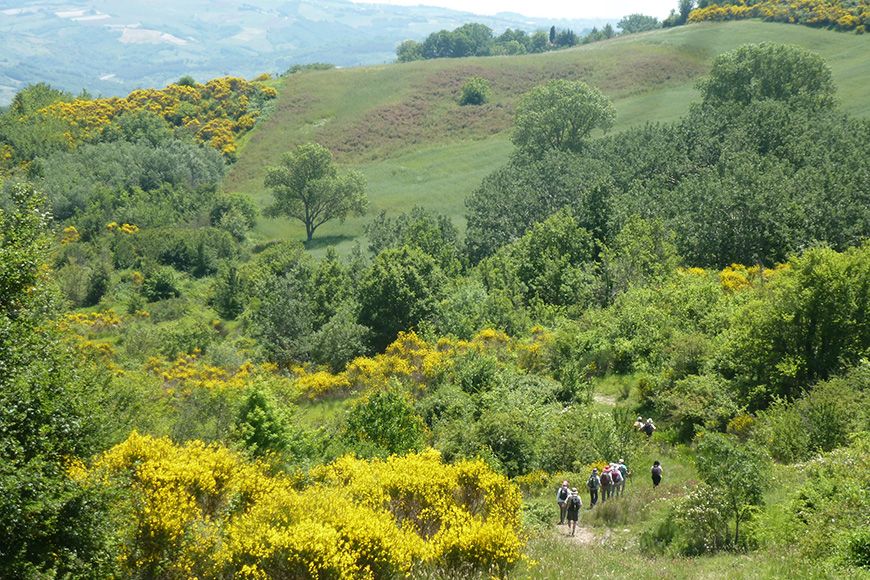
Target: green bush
<point>260,425</point>
<point>695,402</point>
<point>160,284</point>
<point>858,549</point>
<point>98,284</point>
<point>578,436</point>
<point>510,436</point>
<point>399,291</point>
<point>234,213</point>
<point>197,251</point>
<point>696,525</point>
<point>819,421</point>
<point>387,422</point>
<point>340,340</point>
<point>228,292</point>
<point>476,374</point>
<point>448,403</point>
<point>828,514</point>
<point>282,320</point>
<point>475,91</point>
<point>185,336</point>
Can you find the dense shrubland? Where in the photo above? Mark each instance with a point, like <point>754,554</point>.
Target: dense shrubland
<point>187,402</point>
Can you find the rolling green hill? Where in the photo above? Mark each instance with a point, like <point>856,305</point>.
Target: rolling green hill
<point>401,126</point>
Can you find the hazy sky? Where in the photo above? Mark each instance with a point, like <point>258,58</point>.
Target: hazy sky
<point>549,8</point>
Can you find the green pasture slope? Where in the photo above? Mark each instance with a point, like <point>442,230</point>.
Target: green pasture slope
<point>401,126</point>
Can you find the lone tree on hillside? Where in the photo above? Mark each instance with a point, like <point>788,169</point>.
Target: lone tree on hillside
<point>307,186</point>
<point>560,115</point>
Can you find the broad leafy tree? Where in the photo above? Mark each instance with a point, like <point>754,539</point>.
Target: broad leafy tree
<point>529,190</point>
<point>53,413</point>
<point>409,50</point>
<point>634,23</point>
<point>401,288</point>
<point>560,115</point>
<point>552,264</point>
<point>779,72</point>
<point>308,187</point>
<point>736,472</point>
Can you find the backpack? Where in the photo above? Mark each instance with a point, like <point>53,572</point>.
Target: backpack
<point>563,494</point>
<point>616,476</point>
<point>593,482</point>
<point>647,428</point>
<point>657,470</point>
<point>574,502</point>
<point>605,478</point>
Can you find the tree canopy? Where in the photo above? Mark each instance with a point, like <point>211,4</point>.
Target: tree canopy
<point>755,72</point>
<point>308,187</point>
<point>638,23</point>
<point>560,115</point>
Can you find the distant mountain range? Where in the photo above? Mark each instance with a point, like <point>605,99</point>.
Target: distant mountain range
<point>110,47</point>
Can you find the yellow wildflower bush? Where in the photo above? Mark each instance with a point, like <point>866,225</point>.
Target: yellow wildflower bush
<point>419,364</point>
<point>203,511</point>
<point>69,235</point>
<point>189,372</point>
<point>218,111</point>
<point>321,384</point>
<point>738,277</point>
<point>90,321</point>
<point>833,13</point>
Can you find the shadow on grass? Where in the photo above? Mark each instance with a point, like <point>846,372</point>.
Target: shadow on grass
<point>326,241</point>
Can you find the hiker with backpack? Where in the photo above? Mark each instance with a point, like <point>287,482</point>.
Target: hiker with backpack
<point>624,472</point>
<point>562,496</point>
<point>592,484</point>
<point>617,483</point>
<point>574,504</point>
<point>657,473</point>
<point>606,484</point>
<point>648,427</point>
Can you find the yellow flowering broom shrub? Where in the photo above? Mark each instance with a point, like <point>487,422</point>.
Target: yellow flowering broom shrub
<point>831,13</point>
<point>420,364</point>
<point>216,112</point>
<point>204,511</point>
<point>189,372</point>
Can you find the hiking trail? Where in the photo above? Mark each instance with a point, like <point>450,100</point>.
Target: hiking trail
<point>608,400</point>
<point>583,536</point>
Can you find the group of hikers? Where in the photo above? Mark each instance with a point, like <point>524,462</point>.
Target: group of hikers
<point>646,427</point>
<point>610,482</point>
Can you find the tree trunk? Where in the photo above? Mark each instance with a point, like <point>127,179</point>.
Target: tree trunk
<point>736,530</point>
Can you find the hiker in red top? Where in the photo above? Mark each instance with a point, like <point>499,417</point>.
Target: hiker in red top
<point>616,479</point>
<point>606,484</point>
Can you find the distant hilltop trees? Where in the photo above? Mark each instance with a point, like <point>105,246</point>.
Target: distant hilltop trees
<point>474,39</point>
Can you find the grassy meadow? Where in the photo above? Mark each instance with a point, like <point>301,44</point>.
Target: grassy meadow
<point>401,126</point>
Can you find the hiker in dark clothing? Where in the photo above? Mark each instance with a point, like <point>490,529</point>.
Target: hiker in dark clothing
<point>657,472</point>
<point>574,505</point>
<point>592,484</point>
<point>562,496</point>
